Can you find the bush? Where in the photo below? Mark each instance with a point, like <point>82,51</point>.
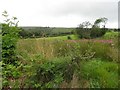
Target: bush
<point>9,40</point>
<point>10,34</point>
<point>83,33</point>
<point>53,72</point>
<point>69,38</point>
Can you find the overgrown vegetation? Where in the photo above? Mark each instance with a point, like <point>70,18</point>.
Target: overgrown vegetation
<point>100,74</point>
<point>78,55</point>
<point>59,62</point>
<point>9,58</point>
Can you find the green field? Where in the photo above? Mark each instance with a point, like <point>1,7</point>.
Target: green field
<point>94,62</point>
<point>58,30</point>
<point>73,37</point>
<point>110,35</point>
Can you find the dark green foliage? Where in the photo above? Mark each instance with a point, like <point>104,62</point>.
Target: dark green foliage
<point>90,33</point>
<point>99,21</point>
<point>9,40</point>
<point>53,72</point>
<point>97,32</point>
<point>10,34</point>
<point>83,33</point>
<point>69,38</point>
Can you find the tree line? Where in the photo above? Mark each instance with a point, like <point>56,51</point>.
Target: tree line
<point>39,32</point>
<point>87,30</point>
<point>84,30</point>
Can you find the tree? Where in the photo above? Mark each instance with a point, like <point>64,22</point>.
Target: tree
<point>98,22</point>
<point>86,24</point>
<point>96,30</point>
<point>82,30</point>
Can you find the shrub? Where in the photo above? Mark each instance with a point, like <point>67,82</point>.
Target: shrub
<point>53,72</point>
<point>9,39</point>
<point>69,38</point>
<point>83,33</point>
<point>10,34</point>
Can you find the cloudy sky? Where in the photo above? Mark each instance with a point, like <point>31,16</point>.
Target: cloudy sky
<point>60,13</point>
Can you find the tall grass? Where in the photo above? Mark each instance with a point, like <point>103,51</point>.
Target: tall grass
<point>36,46</point>
<point>39,55</point>
<point>100,73</point>
<point>54,48</point>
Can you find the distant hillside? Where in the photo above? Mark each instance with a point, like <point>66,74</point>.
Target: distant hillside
<point>53,29</point>
<point>49,31</point>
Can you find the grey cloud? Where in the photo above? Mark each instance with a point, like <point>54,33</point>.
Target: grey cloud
<point>89,10</point>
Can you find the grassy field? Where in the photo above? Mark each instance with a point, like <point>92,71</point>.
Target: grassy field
<point>73,37</point>
<point>63,30</point>
<point>58,62</point>
<point>110,35</point>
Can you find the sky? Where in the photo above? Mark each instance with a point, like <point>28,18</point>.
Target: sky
<point>60,13</point>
